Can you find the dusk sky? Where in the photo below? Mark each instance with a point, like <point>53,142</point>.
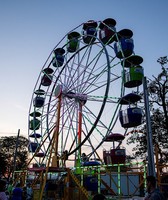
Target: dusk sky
<point>31,29</point>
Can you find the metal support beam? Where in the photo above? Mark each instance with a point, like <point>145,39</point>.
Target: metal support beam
<point>15,155</point>
<point>150,149</point>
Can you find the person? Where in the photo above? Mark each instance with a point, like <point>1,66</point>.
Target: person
<point>10,188</point>
<point>24,193</point>
<point>29,192</point>
<point>61,189</point>
<point>46,189</point>
<point>17,192</point>
<point>7,195</point>
<point>153,193</point>
<point>99,197</point>
<point>3,195</point>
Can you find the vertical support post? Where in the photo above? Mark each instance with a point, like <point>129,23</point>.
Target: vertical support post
<point>56,133</point>
<point>144,176</point>
<point>54,145</point>
<point>79,127</point>
<point>78,161</point>
<point>119,181</point>
<point>82,171</point>
<point>99,180</point>
<point>151,164</point>
<point>157,165</point>
<point>15,156</point>
<point>67,194</point>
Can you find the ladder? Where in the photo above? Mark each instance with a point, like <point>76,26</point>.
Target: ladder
<point>81,188</point>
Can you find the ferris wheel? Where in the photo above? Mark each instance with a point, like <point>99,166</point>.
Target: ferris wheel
<point>75,102</point>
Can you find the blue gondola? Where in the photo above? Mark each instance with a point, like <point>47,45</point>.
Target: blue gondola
<point>89,32</point>
<point>58,59</point>
<point>130,117</point>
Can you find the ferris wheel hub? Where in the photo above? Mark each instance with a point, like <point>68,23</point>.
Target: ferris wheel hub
<point>77,96</point>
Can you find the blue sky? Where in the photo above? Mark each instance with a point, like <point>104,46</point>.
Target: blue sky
<point>30,29</point>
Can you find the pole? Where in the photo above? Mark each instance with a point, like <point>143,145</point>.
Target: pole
<point>78,161</point>
<point>150,150</point>
<point>15,155</point>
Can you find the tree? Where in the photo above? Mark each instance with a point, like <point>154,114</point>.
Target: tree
<point>3,164</point>
<point>158,90</point>
<point>7,154</point>
<point>158,99</point>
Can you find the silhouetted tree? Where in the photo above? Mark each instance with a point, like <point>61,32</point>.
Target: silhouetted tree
<point>3,164</point>
<point>7,154</point>
<point>158,99</point>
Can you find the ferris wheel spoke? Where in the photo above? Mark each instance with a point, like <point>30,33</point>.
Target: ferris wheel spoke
<point>90,113</point>
<point>92,70</point>
<point>67,125</point>
<point>93,150</point>
<point>88,83</point>
<point>81,75</point>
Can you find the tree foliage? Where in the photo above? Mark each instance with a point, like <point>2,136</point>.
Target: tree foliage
<point>158,100</point>
<point>8,153</point>
<point>3,164</point>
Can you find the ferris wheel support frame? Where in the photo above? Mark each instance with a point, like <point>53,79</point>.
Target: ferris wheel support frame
<point>150,151</point>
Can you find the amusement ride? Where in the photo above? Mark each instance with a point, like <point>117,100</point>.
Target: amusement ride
<point>86,92</point>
